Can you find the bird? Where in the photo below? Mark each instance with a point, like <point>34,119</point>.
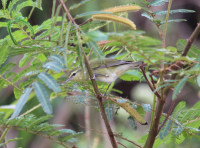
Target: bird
<point>106,70</point>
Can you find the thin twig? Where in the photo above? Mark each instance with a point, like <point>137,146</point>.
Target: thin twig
<point>93,130</point>
<point>154,131</point>
<point>92,77</point>
<point>89,20</point>
<point>148,82</point>
<point>118,136</point>
<point>191,40</point>
<point>121,144</point>
<point>168,114</point>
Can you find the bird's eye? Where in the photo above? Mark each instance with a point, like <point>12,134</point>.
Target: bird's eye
<point>74,74</point>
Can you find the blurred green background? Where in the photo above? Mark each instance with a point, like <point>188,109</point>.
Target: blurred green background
<point>71,115</point>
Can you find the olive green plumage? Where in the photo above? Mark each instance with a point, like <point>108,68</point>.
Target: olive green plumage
<point>107,70</point>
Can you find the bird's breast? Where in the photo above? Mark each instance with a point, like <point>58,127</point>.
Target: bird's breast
<point>107,78</point>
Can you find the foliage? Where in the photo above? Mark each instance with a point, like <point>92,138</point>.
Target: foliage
<point>50,51</point>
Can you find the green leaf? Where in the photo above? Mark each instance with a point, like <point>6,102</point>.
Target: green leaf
<point>131,122</point>
<point>21,102</point>
<point>17,93</point>
<point>7,67</point>
<point>171,21</point>
<point>25,4</point>
<point>24,72</point>
<point>10,33</point>
<point>91,13</point>
<point>25,83</point>
<point>97,36</point>
<point>57,59</point>
<point>49,81</point>
<point>4,2</point>
<point>54,66</point>
<point>165,130</point>
<point>4,54</point>
<point>97,51</point>
<point>147,16</point>
<point>79,4</point>
<point>25,60</point>
<point>10,75</point>
<point>109,113</point>
<point>79,53</point>
<point>39,121</point>
<point>131,75</point>
<point>43,97</point>
<point>179,107</point>
<point>146,107</point>
<point>179,87</point>
<point>29,27</point>
<point>161,86</point>
<point>174,11</point>
<point>10,140</point>
<point>11,4</point>
<point>158,2</point>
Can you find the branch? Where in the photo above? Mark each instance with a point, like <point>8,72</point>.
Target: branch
<point>155,129</point>
<point>117,135</point>
<point>169,112</point>
<point>191,40</point>
<point>149,83</point>
<point>92,77</point>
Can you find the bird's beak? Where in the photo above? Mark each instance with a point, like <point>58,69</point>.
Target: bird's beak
<point>67,80</point>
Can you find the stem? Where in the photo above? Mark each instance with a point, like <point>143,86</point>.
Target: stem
<point>4,134</point>
<point>169,112</point>
<point>117,135</point>
<point>92,77</point>
<point>154,131</point>
<point>191,40</point>
<point>166,22</point>
<point>36,133</point>
<point>153,113</point>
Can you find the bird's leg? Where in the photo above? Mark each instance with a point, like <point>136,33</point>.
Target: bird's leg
<point>106,90</point>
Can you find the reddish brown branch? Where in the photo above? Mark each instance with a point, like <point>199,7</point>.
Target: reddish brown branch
<point>191,40</point>
<point>121,144</point>
<point>148,82</point>
<point>155,129</point>
<point>168,114</point>
<point>92,76</point>
<point>118,136</point>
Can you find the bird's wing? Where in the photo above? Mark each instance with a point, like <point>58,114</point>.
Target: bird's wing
<point>109,63</point>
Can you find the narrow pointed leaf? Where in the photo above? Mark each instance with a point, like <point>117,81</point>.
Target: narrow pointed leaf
<point>43,97</point>
<point>7,67</point>
<point>17,93</point>
<point>49,81</point>
<point>10,33</point>
<point>25,60</point>
<point>79,4</point>
<point>54,66</point>
<point>4,2</point>
<point>25,4</point>
<point>57,58</point>
<point>158,2</point>
<point>21,102</point>
<point>4,54</point>
<point>179,87</point>
<point>11,4</point>
<point>146,107</point>
<point>174,11</point>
